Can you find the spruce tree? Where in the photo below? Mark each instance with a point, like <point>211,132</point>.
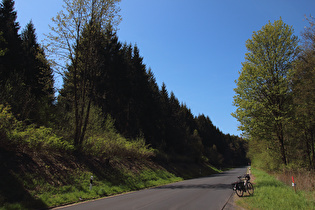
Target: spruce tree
<point>11,61</point>
<point>38,78</point>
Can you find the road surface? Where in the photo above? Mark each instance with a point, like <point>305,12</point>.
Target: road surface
<point>203,193</point>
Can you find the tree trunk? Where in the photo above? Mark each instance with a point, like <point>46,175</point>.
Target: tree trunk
<point>281,142</point>
<point>86,121</point>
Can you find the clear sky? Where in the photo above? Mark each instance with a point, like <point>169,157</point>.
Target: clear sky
<point>195,47</point>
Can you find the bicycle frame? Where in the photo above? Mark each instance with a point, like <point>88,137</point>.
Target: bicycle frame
<point>243,185</point>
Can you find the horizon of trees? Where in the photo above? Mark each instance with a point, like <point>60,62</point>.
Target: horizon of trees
<point>104,79</point>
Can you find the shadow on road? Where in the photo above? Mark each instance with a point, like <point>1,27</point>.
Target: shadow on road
<point>201,186</point>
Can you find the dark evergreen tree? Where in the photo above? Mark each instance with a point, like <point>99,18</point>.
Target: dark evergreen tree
<point>11,61</point>
<point>26,78</point>
<point>37,77</point>
<point>2,49</point>
<point>151,124</point>
<point>128,92</point>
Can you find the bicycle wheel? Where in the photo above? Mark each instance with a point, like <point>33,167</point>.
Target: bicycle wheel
<point>238,189</point>
<point>249,188</point>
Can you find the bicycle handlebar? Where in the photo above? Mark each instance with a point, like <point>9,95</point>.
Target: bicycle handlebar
<point>245,176</point>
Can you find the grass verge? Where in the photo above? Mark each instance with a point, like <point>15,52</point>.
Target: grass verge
<point>34,191</point>
<point>101,188</point>
<point>273,194</point>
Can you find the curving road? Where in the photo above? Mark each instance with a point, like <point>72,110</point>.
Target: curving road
<point>203,193</point>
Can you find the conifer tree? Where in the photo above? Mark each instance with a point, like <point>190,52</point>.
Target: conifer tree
<point>12,42</point>
<point>2,50</point>
<point>37,77</point>
<point>11,61</point>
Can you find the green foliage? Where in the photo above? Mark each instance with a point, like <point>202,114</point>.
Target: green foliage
<point>273,194</point>
<point>7,120</point>
<point>40,138</point>
<point>303,87</point>
<point>26,80</point>
<point>31,136</point>
<point>263,96</point>
<point>264,155</point>
<point>112,145</point>
<point>8,124</point>
<point>76,39</point>
<point>288,118</point>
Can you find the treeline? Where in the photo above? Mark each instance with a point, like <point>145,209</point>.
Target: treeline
<point>26,80</point>
<point>275,97</point>
<point>104,81</point>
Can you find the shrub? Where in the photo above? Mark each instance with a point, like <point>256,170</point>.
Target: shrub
<point>41,138</point>
<point>109,145</point>
<point>7,124</point>
<point>304,179</point>
<point>13,131</point>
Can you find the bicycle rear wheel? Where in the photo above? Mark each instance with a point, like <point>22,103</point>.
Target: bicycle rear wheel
<point>249,188</point>
<point>238,189</point>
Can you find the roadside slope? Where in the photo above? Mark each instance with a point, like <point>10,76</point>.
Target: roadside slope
<point>32,179</point>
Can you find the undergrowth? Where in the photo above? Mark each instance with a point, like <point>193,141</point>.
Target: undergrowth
<point>42,169</point>
<point>304,179</point>
<point>106,144</point>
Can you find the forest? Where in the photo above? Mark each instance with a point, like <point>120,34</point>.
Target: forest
<point>110,103</point>
<point>111,120</point>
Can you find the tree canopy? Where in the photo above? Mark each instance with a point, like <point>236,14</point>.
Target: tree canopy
<point>263,93</point>
<point>275,97</point>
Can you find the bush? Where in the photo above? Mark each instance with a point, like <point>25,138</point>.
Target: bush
<point>41,138</point>
<point>108,146</point>
<point>304,179</point>
<point>263,155</point>
<point>7,124</point>
<point>13,131</point>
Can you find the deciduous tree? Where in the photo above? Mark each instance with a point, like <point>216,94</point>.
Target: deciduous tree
<point>263,95</point>
<point>74,39</point>
<point>303,79</point>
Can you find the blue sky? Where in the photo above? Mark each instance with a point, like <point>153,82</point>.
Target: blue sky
<point>195,47</point>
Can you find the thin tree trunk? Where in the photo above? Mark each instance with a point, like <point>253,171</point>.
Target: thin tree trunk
<point>312,148</point>
<point>281,142</point>
<point>86,121</point>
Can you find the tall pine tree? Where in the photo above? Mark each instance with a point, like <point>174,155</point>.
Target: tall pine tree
<point>10,62</point>
<point>37,77</point>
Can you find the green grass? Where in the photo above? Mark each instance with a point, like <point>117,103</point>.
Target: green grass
<point>101,188</point>
<point>273,194</point>
<point>49,196</point>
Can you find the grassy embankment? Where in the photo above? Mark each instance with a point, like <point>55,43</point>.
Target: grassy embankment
<point>271,193</point>
<point>40,169</point>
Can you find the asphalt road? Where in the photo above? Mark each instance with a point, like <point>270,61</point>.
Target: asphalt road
<point>203,193</point>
